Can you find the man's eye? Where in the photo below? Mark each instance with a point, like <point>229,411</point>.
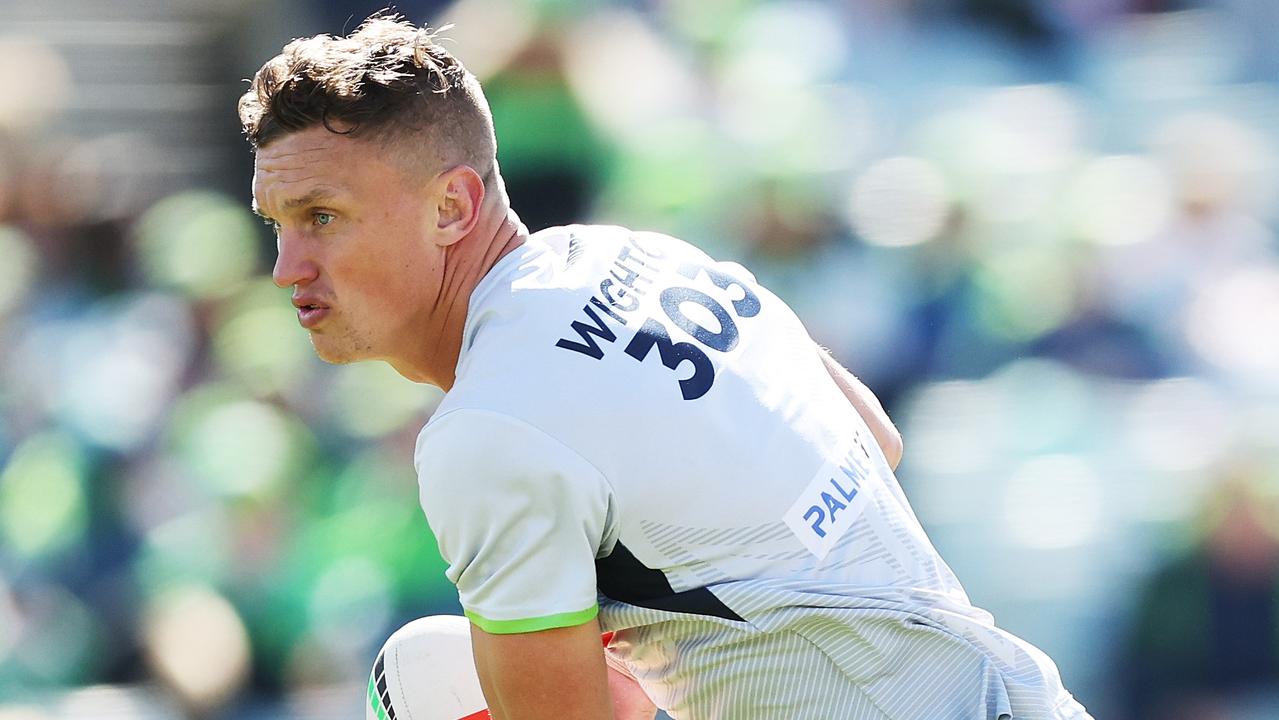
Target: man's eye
<point>323,218</point>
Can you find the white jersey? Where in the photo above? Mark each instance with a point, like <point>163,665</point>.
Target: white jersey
<point>641,432</point>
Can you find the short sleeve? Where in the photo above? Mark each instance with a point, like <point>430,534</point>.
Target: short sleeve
<point>518,516</point>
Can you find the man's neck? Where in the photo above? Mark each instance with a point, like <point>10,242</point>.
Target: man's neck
<point>466,262</point>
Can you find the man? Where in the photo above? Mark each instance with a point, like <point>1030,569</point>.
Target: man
<point>635,438</point>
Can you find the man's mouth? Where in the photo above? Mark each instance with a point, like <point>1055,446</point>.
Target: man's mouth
<point>310,316</point>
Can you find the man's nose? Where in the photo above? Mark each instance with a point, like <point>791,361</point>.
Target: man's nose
<point>293,266</point>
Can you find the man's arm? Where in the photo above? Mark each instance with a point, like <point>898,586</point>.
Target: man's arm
<point>520,517</point>
<point>553,675</point>
<point>544,675</point>
<point>867,405</point>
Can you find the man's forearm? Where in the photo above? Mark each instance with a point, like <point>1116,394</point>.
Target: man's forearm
<point>554,674</point>
<point>869,407</point>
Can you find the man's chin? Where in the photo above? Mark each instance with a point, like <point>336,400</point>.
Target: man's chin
<point>335,359</point>
<point>331,353</point>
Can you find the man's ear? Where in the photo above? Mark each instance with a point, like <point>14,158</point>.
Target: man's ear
<point>459,195</point>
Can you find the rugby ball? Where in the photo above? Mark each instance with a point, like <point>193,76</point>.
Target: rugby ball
<point>425,671</point>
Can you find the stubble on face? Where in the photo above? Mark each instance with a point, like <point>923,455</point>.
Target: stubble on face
<point>339,343</point>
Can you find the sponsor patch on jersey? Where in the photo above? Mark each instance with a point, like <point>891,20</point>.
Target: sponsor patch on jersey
<point>831,502</point>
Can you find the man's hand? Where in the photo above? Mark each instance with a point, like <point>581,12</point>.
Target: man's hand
<point>867,405</point>
<point>556,674</point>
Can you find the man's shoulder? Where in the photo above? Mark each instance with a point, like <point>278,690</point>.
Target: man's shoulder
<point>471,451</point>
<point>477,435</point>
<point>461,430</point>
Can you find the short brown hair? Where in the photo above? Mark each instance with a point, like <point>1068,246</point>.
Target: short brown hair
<point>389,79</point>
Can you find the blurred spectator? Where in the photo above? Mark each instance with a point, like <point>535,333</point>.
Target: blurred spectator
<point>552,158</point>
<point>1205,640</point>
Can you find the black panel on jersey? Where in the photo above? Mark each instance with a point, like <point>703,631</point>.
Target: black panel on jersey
<point>622,577</point>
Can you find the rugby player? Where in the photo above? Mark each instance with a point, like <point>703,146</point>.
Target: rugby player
<point>635,438</point>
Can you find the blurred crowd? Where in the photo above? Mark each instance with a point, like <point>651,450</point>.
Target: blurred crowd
<point>1043,231</point>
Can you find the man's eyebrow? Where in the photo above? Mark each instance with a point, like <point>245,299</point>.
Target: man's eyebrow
<point>315,195</point>
<point>312,197</point>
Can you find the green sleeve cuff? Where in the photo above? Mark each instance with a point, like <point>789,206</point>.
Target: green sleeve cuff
<point>526,625</point>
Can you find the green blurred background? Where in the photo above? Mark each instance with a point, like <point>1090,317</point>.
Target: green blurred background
<point>1042,230</point>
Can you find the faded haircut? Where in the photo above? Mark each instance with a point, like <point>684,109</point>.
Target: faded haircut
<point>389,81</point>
